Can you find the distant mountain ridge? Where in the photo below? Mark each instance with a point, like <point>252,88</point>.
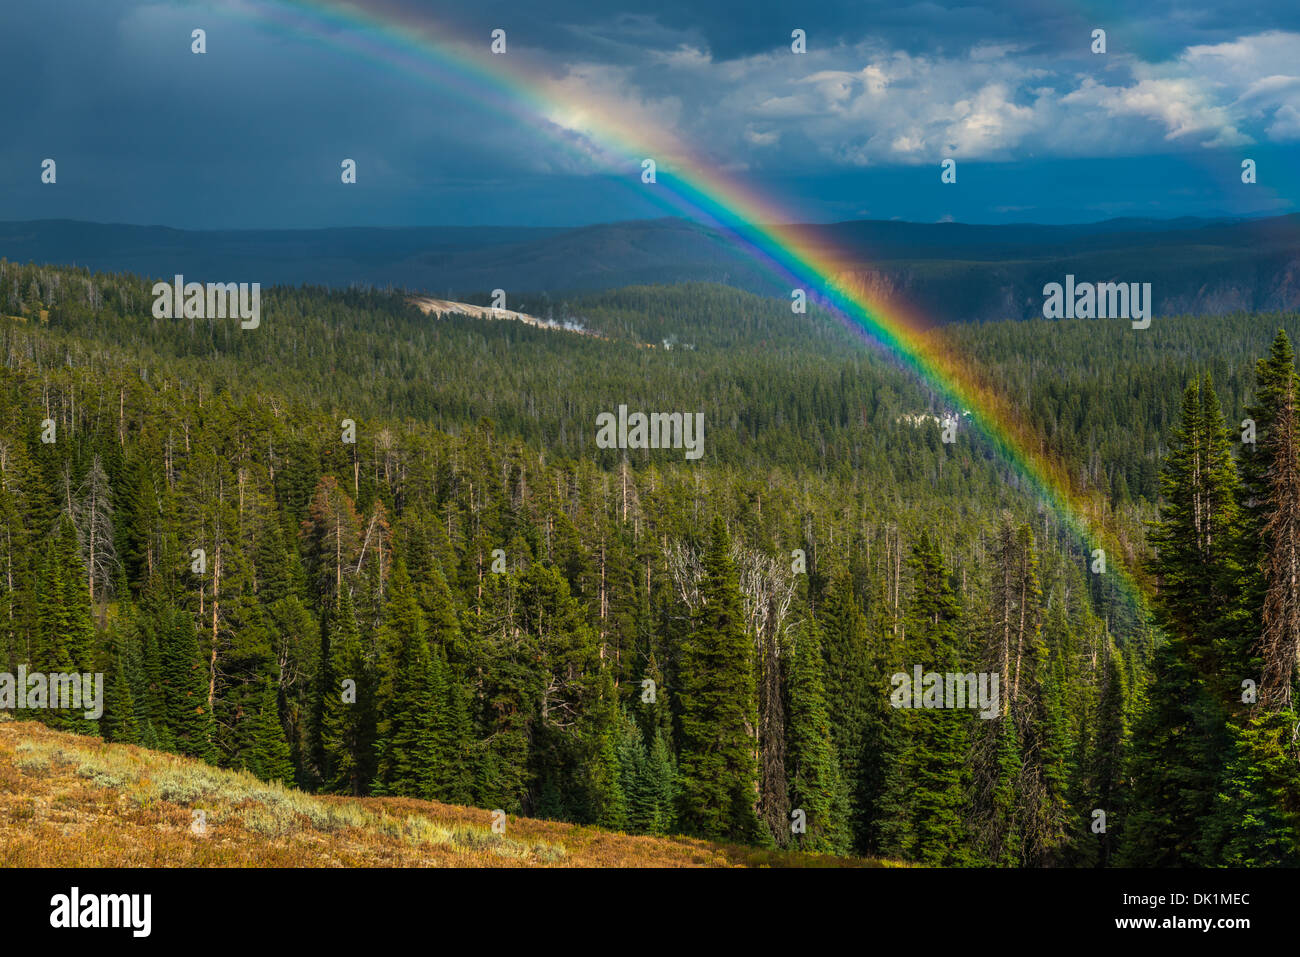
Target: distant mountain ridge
<point>950,271</point>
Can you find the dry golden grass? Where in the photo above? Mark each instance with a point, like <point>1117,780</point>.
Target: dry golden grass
<point>69,801</point>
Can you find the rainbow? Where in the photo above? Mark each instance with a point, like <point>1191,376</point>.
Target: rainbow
<point>397,40</point>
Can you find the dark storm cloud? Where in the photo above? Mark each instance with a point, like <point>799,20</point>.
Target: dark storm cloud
<point>252,133</point>
<point>735,29</point>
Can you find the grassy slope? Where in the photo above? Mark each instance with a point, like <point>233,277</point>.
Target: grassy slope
<point>68,800</point>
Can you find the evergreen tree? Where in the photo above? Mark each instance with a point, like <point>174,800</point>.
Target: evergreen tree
<point>509,697</point>
<point>184,687</point>
<point>268,753</point>
<point>608,770</point>
<point>1198,540</point>
<point>661,785</point>
<point>450,774</point>
<point>1045,771</point>
<point>1106,770</point>
<point>120,720</point>
<point>65,640</point>
<point>718,774</point>
<point>1258,815</point>
<point>927,776</point>
<point>850,682</point>
<point>816,786</point>
<point>996,817</point>
<point>347,718</point>
<point>406,746</point>
<point>1275,385</point>
<point>1181,737</point>
<point>638,790</point>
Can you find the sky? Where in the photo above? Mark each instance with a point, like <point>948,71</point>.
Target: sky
<point>251,133</point>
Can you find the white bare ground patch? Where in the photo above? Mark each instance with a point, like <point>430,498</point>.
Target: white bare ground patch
<point>443,307</point>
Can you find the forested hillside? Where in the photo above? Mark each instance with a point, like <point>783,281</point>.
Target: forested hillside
<point>955,272</point>
<point>473,604</point>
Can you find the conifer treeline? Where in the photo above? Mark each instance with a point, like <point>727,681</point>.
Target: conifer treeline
<point>608,671</point>
<point>1216,764</point>
<point>474,619</point>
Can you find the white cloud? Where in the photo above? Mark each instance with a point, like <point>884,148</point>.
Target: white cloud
<point>869,104</point>
<point>1286,124</point>
<point>1179,105</point>
<point>684,57</point>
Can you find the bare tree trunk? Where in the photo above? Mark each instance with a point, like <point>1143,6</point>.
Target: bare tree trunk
<point>90,545</point>
<point>604,602</point>
<point>216,592</point>
<point>1280,641</point>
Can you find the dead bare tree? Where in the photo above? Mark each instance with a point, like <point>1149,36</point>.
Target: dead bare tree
<point>686,569</point>
<point>767,592</point>
<point>92,515</point>
<point>1280,639</point>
